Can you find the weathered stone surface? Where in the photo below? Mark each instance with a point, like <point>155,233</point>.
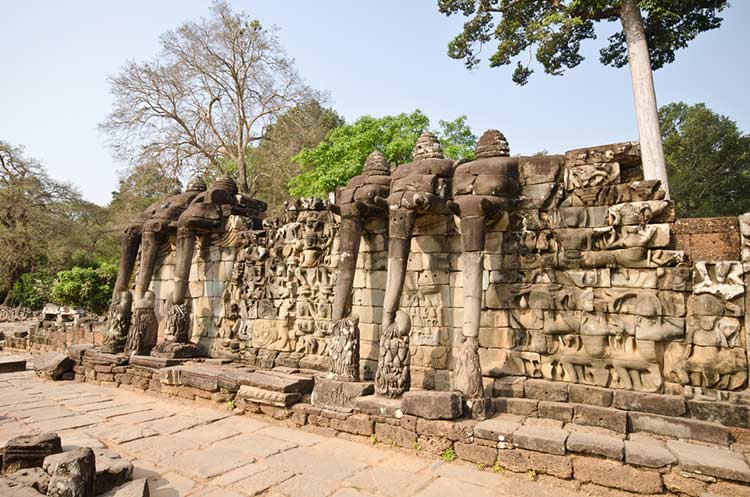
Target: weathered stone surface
<point>499,428</point>
<point>35,478</point>
<point>154,362</point>
<point>668,405</point>
<point>10,488</point>
<point>521,461</point>
<point>604,417</point>
<point>541,439</point>
<point>520,407</point>
<point>562,411</point>
<point>452,430</point>
<point>711,461</point>
<point>720,412</point>
<point>379,406</point>
<point>357,424</point>
<point>585,394</point>
<point>136,488</point>
<point>112,470</point>
<point>29,451</point>
<point>678,428</point>
<point>279,382</point>
<point>12,364</point>
<point>432,404</point>
<point>395,434</point>
<point>476,453</point>
<point>651,455</point>
<point>546,390</point>
<point>71,473</point>
<point>267,397</point>
<point>594,444</point>
<point>53,365</point>
<point>339,395</point>
<point>616,475</point>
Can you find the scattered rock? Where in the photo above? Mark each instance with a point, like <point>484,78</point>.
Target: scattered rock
<point>29,451</point>
<point>71,473</point>
<point>111,470</point>
<point>35,478</point>
<point>53,365</point>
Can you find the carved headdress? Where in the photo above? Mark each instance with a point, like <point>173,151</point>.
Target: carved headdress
<point>492,144</point>
<point>427,147</point>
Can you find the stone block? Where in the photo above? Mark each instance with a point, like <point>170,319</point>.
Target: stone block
<point>499,429</point>
<point>655,403</point>
<point>720,412</point>
<point>546,390</point>
<point>521,407</point>
<point>71,473</point>
<point>29,451</point>
<point>356,424</point>
<point>678,428</point>
<point>379,406</point>
<point>34,478</point>
<point>452,430</point>
<point>616,475</point>
<point>432,405</point>
<point>53,365</point>
<point>339,395</point>
<point>712,461</point>
<point>521,461</point>
<point>476,453</point>
<point>135,488</point>
<point>562,411</point>
<point>111,470</point>
<point>267,397</point>
<point>546,439</point>
<point>508,386</point>
<point>604,417</point>
<point>12,364</point>
<point>715,246</point>
<point>596,396</point>
<point>649,454</point>
<point>395,434</point>
<point>594,444</point>
<point>279,382</point>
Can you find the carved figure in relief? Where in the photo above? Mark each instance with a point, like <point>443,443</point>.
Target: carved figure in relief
<point>343,349</point>
<point>393,376</point>
<point>144,328</point>
<point>723,279</point>
<point>118,324</point>
<point>635,213</point>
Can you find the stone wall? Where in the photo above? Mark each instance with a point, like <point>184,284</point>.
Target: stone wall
<point>588,278</point>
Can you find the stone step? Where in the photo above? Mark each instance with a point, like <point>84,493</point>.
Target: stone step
<point>12,365</point>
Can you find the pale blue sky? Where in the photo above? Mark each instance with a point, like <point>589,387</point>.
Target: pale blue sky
<point>374,57</point>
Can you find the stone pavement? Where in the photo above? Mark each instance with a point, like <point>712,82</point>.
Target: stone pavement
<point>188,450</point>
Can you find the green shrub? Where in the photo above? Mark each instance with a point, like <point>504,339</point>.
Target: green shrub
<point>90,288</point>
<point>31,290</point>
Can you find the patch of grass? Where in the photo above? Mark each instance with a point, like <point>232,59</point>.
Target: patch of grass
<point>448,455</point>
<point>481,466</point>
<point>497,468</point>
<point>230,405</point>
<point>417,446</point>
<point>531,474</point>
<point>373,439</point>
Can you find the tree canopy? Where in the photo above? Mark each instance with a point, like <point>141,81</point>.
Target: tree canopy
<point>552,31</point>
<point>341,155</point>
<point>708,160</point>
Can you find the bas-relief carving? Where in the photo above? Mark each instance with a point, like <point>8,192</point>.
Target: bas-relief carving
<point>343,349</point>
<point>393,376</point>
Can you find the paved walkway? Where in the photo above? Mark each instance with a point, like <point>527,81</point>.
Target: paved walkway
<point>187,450</point>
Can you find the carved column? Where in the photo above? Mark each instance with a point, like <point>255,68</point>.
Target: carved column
<point>482,189</point>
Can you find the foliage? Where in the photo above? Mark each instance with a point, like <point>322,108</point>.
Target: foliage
<point>31,290</point>
<point>206,98</point>
<point>552,31</point>
<point>341,155</point>
<point>708,161</point>
<point>448,455</point>
<point>87,287</point>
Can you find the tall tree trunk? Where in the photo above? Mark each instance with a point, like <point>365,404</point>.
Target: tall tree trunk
<point>643,91</point>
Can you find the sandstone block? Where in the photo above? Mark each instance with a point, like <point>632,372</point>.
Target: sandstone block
<point>432,405</point>
<point>678,428</point>
<point>546,439</point>
<point>584,394</point>
<point>379,406</point>
<point>604,417</point>
<point>616,475</point>
<point>357,424</point>
<point>668,405</point>
<point>521,407</point>
<point>720,412</point>
<point>395,434</point>
<point>29,451</point>
<point>499,429</point>
<point>594,444</point>
<point>12,365</point>
<point>34,478</point>
<point>339,395</point>
<point>452,430</point>
<point>521,461</point>
<point>476,453</point>
<point>712,461</point>
<point>53,365</point>
<point>651,455</point>
<point>111,470</point>
<point>267,397</point>
<point>562,411</point>
<point>546,390</point>
<point>508,386</point>
<point>136,488</point>
<point>71,473</point>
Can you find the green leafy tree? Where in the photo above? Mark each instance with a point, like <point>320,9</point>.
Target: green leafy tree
<point>341,155</point>
<point>32,290</point>
<point>90,288</point>
<point>708,159</point>
<point>552,32</point>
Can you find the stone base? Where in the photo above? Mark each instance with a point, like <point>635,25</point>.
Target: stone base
<point>267,397</point>
<point>379,406</point>
<point>431,404</point>
<point>336,395</point>
<point>94,356</point>
<point>146,361</point>
<point>173,350</point>
<point>12,365</point>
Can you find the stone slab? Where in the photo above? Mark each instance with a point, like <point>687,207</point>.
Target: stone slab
<point>135,488</point>
<point>678,428</point>
<point>595,444</point>
<point>651,455</point>
<point>338,395</point>
<point>379,406</point>
<point>12,365</point>
<point>267,397</point>
<point>278,382</point>
<point>430,404</point>
<point>546,439</point>
<point>94,356</point>
<point>500,428</point>
<point>711,461</point>
<point>154,362</point>
<point>53,365</point>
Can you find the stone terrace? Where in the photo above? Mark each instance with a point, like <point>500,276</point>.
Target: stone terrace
<point>190,450</point>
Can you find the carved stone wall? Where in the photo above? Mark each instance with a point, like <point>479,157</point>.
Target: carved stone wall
<point>587,279</point>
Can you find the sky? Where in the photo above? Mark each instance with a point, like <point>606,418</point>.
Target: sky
<point>375,57</point>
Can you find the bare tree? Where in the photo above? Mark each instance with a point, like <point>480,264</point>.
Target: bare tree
<point>208,97</point>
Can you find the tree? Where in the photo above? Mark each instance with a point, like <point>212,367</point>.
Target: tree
<point>341,155</point>
<point>32,215</point>
<point>708,159</point>
<point>87,287</point>
<point>552,32</point>
<point>207,97</point>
